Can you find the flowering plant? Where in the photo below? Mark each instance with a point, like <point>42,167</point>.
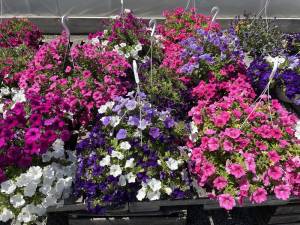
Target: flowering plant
<point>131,154</point>
<point>179,26</point>
<point>85,79</point>
<point>129,36</point>
<point>286,79</point>
<point>15,32</point>
<point>28,128</point>
<point>12,61</point>
<point>259,37</point>
<point>239,152</point>
<point>25,197</point>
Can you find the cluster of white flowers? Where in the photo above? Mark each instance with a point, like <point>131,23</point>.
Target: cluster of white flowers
<point>129,51</point>
<point>31,193</point>
<point>15,94</point>
<point>297,128</point>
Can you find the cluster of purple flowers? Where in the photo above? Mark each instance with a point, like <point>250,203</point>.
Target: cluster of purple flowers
<point>131,154</point>
<point>286,78</point>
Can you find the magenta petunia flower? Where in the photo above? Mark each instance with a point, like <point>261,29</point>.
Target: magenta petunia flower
<point>236,170</point>
<point>233,133</point>
<point>282,192</point>
<point>213,144</point>
<point>32,135</point>
<point>275,172</point>
<point>208,169</point>
<point>226,201</point>
<point>220,183</point>
<point>259,196</point>
<point>228,146</point>
<point>274,156</point>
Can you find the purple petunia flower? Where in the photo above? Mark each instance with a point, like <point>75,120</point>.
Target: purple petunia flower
<point>154,132</point>
<point>122,134</point>
<point>131,105</point>
<point>105,120</point>
<point>133,121</point>
<point>169,122</point>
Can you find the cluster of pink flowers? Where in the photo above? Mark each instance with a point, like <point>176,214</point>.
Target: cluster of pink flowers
<point>28,130</point>
<point>85,77</point>
<point>244,149</point>
<point>15,32</point>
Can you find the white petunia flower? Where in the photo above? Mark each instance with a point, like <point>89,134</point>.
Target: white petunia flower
<point>122,181</point>
<point>115,170</point>
<point>23,180</point>
<point>17,201</point>
<point>102,109</point>
<point>105,161</point>
<point>131,177</point>
<point>25,216</point>
<point>114,121</point>
<point>8,187</point>
<point>6,215</point>
<point>47,157</point>
<point>125,145</point>
<point>1,107</point>
<point>35,173</point>
<point>45,189</point>
<point>104,43</point>
<point>172,164</point>
<point>138,47</point>
<point>95,41</point>
<point>153,195</point>
<point>141,194</point>
<point>30,189</point>
<point>48,175</point>
<point>154,184</point>
<point>118,155</point>
<point>19,97</point>
<point>297,128</point>
<point>168,190</point>
<point>40,210</point>
<point>59,150</point>
<point>123,45</point>
<point>4,91</point>
<point>129,163</point>
<point>49,201</point>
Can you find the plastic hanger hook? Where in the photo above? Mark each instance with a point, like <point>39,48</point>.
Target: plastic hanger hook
<point>215,11</point>
<point>64,24</point>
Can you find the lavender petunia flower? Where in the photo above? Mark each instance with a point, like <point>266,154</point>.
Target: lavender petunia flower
<point>154,132</point>
<point>133,121</point>
<point>105,120</point>
<point>122,134</point>
<point>169,122</point>
<point>131,105</point>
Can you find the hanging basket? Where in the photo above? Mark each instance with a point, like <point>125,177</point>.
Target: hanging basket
<point>280,93</point>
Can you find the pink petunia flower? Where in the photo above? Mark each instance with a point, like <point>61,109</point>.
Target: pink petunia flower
<point>282,192</point>
<point>226,201</point>
<point>274,156</point>
<point>213,144</point>
<point>275,172</point>
<point>259,196</point>
<point>208,169</point>
<point>233,133</point>
<point>220,183</point>
<point>228,146</point>
<point>32,135</point>
<point>236,170</point>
